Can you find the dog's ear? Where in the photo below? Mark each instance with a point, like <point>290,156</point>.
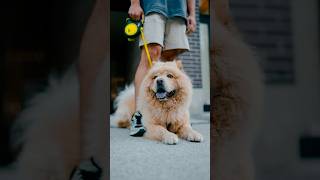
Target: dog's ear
<point>179,64</point>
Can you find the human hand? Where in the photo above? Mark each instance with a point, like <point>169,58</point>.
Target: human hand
<point>191,24</point>
<point>135,11</point>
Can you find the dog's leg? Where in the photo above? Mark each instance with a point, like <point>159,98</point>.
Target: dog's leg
<point>186,132</point>
<point>157,132</point>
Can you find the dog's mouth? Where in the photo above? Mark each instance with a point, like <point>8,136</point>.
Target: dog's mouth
<point>163,95</point>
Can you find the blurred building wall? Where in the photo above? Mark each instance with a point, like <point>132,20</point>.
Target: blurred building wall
<point>285,35</point>
<point>292,110</point>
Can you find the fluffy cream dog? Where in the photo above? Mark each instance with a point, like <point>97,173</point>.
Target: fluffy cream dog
<point>164,100</point>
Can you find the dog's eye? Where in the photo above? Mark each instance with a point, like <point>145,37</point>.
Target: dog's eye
<point>170,76</point>
<point>154,77</point>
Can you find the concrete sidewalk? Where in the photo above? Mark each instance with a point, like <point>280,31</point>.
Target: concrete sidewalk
<point>136,158</point>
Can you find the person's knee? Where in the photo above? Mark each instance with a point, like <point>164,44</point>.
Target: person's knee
<point>170,55</point>
<point>155,52</point>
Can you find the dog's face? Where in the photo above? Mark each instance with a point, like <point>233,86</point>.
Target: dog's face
<point>164,85</point>
<point>166,80</point>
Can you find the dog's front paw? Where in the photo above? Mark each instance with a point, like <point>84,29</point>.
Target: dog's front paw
<point>194,136</point>
<point>170,138</point>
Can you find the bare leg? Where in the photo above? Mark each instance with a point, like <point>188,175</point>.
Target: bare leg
<point>92,75</point>
<point>155,53</point>
<point>170,55</point>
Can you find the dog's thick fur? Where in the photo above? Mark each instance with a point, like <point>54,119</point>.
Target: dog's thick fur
<point>165,120</point>
<point>48,131</point>
<point>237,91</point>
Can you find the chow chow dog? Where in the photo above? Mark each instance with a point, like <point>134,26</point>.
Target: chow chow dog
<point>164,100</point>
<point>237,92</point>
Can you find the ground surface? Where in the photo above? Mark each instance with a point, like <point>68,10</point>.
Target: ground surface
<point>135,158</point>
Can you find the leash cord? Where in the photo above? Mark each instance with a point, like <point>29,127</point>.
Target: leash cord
<point>146,48</point>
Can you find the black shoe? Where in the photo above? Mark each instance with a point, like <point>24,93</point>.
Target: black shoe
<point>87,170</point>
<point>136,127</point>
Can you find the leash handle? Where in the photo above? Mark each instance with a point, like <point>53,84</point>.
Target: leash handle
<point>146,47</point>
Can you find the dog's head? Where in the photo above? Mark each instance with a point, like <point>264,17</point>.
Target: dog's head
<point>167,81</point>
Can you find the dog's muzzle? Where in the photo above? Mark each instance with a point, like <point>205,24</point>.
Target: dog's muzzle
<point>161,93</point>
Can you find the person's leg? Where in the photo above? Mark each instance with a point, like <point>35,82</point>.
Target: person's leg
<point>172,54</point>
<point>143,67</point>
<point>136,126</point>
<point>154,28</point>
<point>92,74</point>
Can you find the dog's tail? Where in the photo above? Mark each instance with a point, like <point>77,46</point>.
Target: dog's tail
<point>124,104</point>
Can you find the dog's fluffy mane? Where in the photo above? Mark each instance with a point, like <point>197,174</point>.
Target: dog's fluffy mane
<point>125,99</point>
<point>183,92</point>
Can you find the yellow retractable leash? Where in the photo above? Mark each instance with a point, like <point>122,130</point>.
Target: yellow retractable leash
<point>132,30</point>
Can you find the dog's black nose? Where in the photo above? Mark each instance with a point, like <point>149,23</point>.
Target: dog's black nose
<point>159,82</point>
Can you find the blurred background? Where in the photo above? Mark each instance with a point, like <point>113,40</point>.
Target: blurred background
<point>285,34</point>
